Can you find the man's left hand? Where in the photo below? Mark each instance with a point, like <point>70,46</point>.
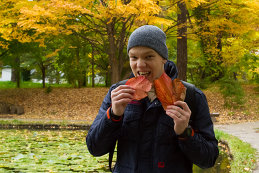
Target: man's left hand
<point>181,113</point>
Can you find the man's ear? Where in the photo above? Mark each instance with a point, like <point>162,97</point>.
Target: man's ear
<point>164,60</point>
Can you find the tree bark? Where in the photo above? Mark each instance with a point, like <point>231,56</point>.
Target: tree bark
<point>107,79</point>
<point>113,63</point>
<point>43,73</point>
<point>78,68</point>
<point>93,74</point>
<point>182,41</point>
<point>17,72</point>
<point>13,76</point>
<point>57,77</point>
<point>121,55</point>
<point>43,70</point>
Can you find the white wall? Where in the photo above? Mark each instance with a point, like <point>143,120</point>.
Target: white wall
<point>6,74</point>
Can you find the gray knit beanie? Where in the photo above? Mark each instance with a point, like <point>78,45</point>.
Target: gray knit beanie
<point>149,36</point>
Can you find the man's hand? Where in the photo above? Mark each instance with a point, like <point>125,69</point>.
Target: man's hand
<point>120,97</point>
<point>181,113</point>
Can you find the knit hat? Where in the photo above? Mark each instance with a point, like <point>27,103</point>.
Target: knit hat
<point>149,36</point>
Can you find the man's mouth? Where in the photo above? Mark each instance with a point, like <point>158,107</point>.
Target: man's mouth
<point>143,73</point>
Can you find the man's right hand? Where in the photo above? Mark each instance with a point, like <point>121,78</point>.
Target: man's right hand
<point>120,97</point>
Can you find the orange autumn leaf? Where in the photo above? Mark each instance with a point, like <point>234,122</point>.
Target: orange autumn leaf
<point>141,84</point>
<point>168,91</point>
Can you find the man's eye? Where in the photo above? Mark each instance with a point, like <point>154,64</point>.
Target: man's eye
<point>133,58</point>
<point>149,56</point>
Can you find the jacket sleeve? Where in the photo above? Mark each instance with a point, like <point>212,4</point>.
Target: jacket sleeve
<point>202,147</point>
<point>104,132</point>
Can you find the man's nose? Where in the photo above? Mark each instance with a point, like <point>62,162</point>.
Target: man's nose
<point>141,63</point>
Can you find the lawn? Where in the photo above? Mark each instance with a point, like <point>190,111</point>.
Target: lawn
<point>29,84</point>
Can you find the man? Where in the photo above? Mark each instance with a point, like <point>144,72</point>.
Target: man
<point>151,139</point>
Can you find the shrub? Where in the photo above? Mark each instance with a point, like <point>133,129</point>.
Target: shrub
<point>233,92</point>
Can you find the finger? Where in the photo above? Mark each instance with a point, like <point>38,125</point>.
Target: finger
<point>172,115</point>
<point>122,87</point>
<point>176,108</point>
<point>179,111</point>
<point>173,112</point>
<point>183,105</point>
<point>115,93</point>
<point>184,117</point>
<point>123,101</point>
<point>123,96</point>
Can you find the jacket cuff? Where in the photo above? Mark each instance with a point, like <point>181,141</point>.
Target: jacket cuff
<point>113,117</point>
<point>187,134</point>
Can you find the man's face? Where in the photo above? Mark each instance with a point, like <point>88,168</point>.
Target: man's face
<point>147,62</point>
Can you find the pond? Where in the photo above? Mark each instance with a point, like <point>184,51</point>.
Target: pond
<point>59,151</point>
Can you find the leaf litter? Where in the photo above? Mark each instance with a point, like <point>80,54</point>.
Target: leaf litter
<point>84,103</point>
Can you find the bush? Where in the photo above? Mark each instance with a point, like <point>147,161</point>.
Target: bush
<point>48,89</point>
<point>233,92</point>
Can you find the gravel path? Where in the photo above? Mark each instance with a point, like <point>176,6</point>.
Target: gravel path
<point>247,132</point>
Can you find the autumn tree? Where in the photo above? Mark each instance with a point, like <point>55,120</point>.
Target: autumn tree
<point>106,23</point>
<point>177,12</point>
<point>224,28</point>
<point>103,27</point>
<point>9,34</point>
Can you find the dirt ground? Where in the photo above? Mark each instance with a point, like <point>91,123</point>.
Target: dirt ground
<point>84,103</point>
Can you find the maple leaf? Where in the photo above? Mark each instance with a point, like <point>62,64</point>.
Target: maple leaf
<point>169,91</point>
<point>141,84</point>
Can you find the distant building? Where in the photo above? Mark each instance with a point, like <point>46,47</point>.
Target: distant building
<point>5,73</point>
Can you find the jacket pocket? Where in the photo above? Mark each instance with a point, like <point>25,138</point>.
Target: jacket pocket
<point>131,122</point>
<point>165,130</point>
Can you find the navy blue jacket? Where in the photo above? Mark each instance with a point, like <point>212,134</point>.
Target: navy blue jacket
<point>146,138</point>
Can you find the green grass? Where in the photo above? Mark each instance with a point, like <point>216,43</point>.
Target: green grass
<point>244,156</point>
<point>9,84</point>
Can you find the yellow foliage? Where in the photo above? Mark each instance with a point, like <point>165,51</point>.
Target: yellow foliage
<point>53,53</point>
<point>64,17</point>
<point>193,3</point>
<point>232,51</point>
<point>51,17</point>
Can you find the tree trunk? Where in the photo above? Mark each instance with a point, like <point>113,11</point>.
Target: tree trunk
<point>78,67</point>
<point>113,61</point>
<point>57,77</point>
<point>43,73</point>
<point>107,74</point>
<point>219,58</point>
<point>85,79</point>
<point>93,75</point>
<point>13,77</point>
<point>17,72</point>
<point>121,55</point>
<point>43,70</point>
<point>182,41</point>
